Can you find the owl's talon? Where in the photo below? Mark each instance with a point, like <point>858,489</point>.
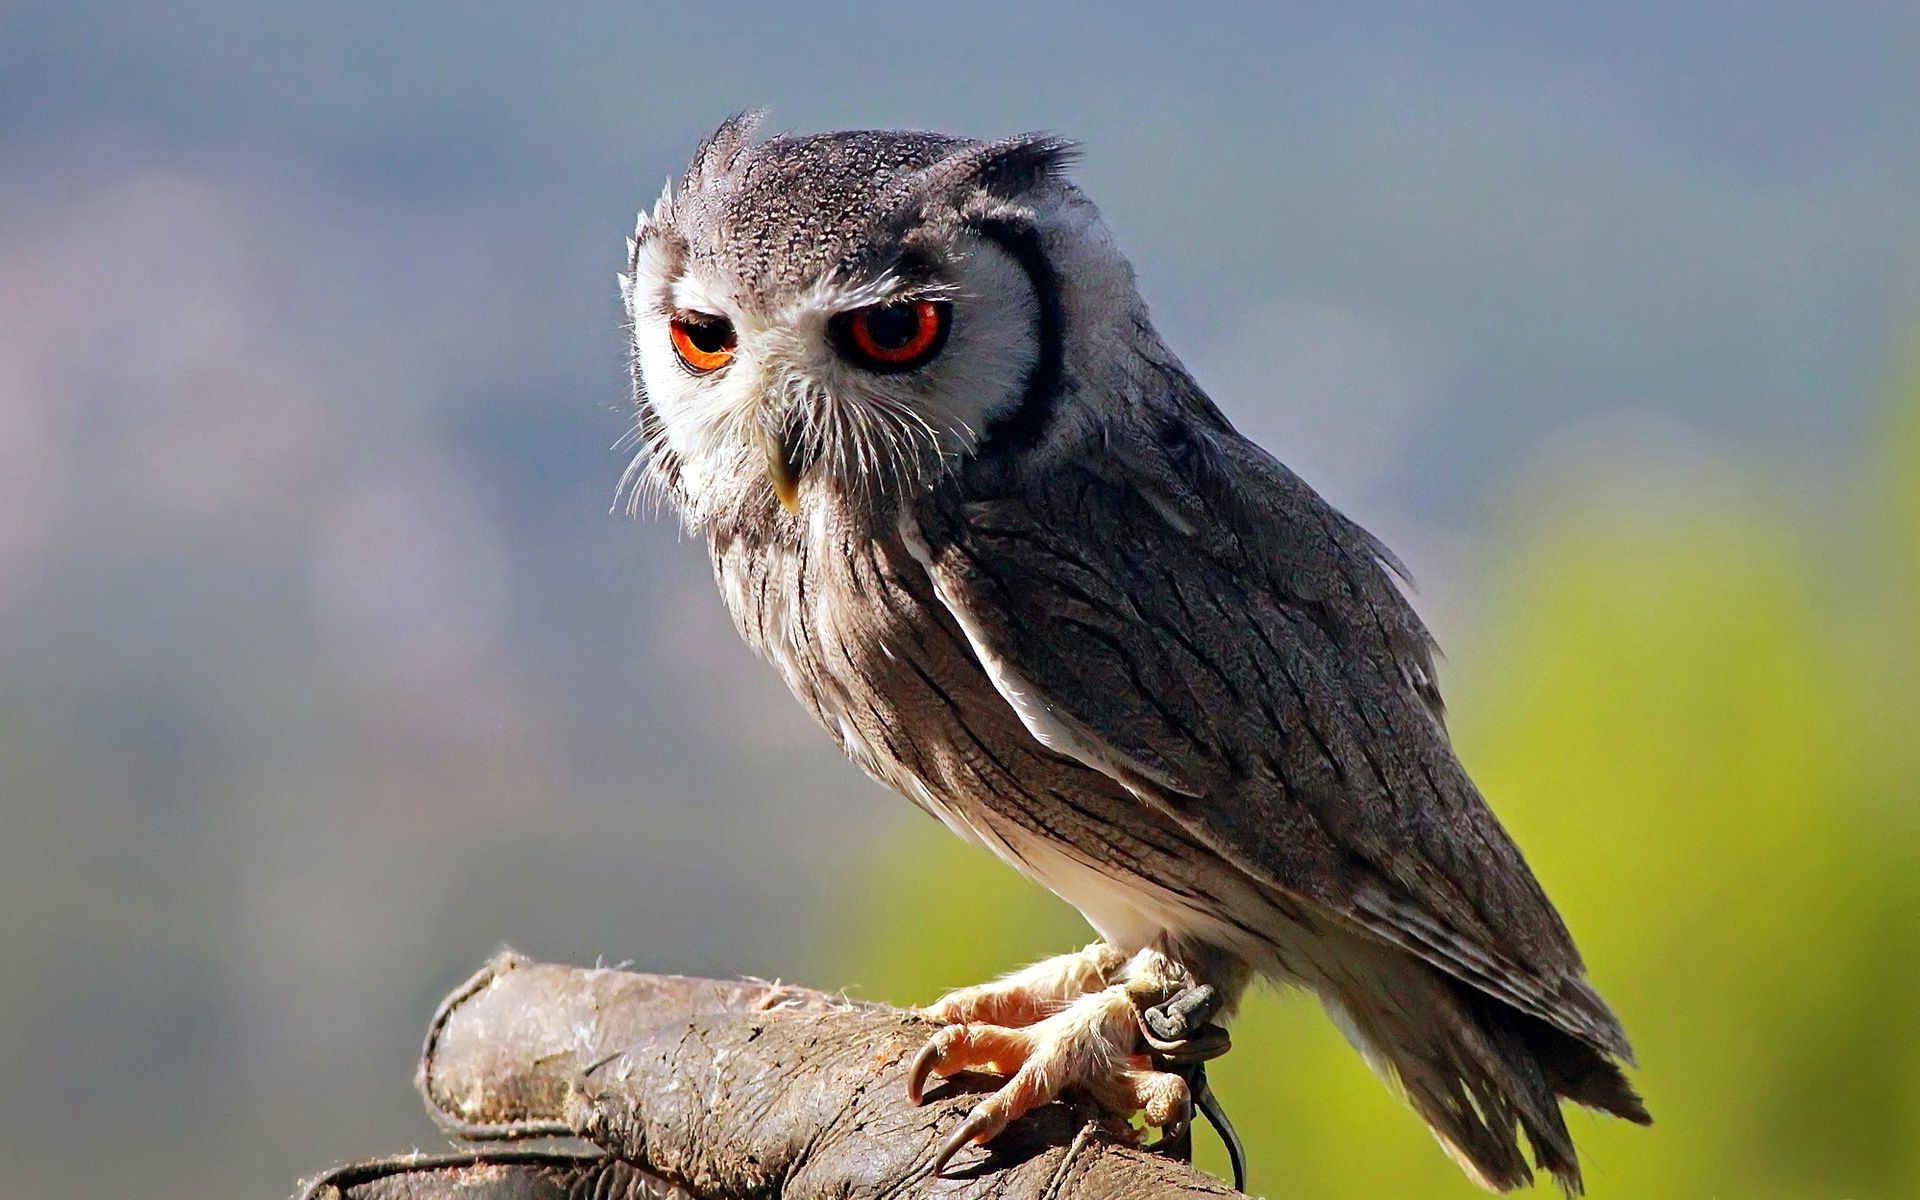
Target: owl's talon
<point>926,1060</point>
<point>1090,1046</point>
<point>982,1125</point>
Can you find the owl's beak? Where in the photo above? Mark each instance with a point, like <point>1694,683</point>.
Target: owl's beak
<point>783,467</point>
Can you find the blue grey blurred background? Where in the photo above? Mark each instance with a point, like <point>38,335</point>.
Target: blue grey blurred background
<point>325,666</point>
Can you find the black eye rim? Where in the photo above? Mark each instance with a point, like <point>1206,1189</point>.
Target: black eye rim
<point>696,328</point>
<point>708,323</point>
<point>840,330</point>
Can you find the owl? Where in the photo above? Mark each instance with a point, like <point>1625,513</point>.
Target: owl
<point>994,537</point>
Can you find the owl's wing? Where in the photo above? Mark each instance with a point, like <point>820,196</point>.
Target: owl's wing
<point>1183,613</point>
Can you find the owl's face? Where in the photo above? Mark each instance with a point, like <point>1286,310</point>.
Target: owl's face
<point>834,320</point>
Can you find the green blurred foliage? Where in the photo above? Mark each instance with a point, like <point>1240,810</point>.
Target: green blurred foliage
<point>1699,717</point>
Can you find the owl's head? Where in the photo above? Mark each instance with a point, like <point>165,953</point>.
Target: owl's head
<point>836,319</point>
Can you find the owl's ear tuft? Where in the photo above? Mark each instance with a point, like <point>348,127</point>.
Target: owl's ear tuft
<point>722,148</point>
<point>1005,168</point>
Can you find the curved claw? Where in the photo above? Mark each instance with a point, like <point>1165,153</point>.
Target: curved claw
<point>1091,1045</point>
<point>981,1125</point>
<point>925,1061</point>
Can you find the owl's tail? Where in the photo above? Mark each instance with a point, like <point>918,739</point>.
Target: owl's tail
<point>1479,1071</point>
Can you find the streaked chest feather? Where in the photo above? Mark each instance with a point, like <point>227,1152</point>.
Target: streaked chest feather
<point>856,630</point>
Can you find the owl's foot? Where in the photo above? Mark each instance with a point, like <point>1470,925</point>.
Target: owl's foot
<point>1093,1045</point>
<point>1025,996</point>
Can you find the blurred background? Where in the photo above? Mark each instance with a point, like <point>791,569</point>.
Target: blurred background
<point>325,668</point>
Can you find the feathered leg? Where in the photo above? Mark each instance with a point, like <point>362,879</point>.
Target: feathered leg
<point>1022,997</point>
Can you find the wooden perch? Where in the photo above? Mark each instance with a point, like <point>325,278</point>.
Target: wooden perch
<point>712,1090</point>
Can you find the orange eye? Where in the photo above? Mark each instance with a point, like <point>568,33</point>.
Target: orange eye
<point>703,343</point>
<point>897,336</point>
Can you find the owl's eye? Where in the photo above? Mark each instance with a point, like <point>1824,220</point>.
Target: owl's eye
<point>704,343</point>
<point>897,336</point>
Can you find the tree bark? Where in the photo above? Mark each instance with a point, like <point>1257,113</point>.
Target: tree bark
<point>716,1090</point>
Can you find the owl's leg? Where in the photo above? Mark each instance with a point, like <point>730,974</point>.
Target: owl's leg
<point>1025,996</point>
<point>1093,1045</point>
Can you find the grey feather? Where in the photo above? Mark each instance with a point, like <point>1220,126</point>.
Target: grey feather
<point>1277,699</point>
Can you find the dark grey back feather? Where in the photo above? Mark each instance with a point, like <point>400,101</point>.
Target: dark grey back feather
<point>1187,601</point>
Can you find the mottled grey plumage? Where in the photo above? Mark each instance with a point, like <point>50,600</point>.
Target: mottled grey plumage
<point>1043,588</point>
